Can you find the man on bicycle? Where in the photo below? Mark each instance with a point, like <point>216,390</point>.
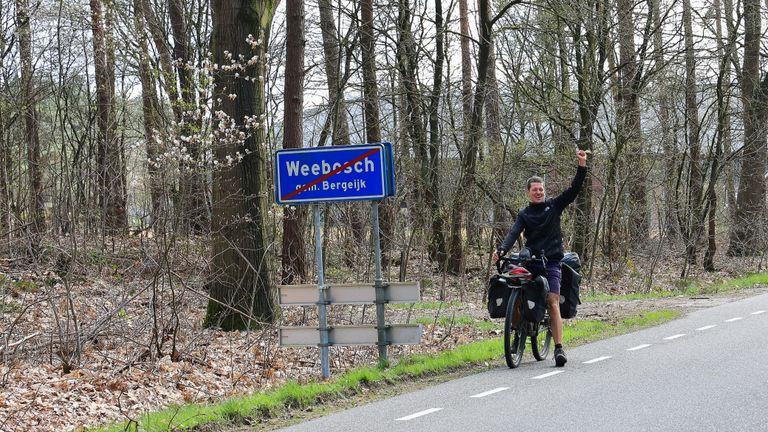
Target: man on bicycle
<point>540,223</point>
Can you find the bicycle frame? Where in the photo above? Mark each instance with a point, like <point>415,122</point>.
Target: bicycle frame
<point>515,333</point>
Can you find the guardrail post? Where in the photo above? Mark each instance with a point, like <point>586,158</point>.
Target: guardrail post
<point>323,293</point>
<point>379,287</point>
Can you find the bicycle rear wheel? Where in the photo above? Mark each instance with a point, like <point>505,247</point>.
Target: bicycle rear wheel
<point>513,352</point>
<point>541,341</point>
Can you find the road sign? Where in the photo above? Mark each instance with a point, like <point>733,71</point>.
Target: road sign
<point>353,293</point>
<point>351,335</point>
<point>337,173</point>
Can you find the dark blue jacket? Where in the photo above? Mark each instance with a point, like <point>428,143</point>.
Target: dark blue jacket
<point>540,223</point>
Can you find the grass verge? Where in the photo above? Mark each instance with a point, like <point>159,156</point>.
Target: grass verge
<point>293,396</point>
<point>689,287</point>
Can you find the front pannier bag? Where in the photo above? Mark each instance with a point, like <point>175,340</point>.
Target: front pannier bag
<point>535,299</point>
<point>498,296</point>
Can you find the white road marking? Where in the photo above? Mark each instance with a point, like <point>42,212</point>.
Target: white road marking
<point>419,414</point>
<point>490,392</point>
<point>758,312</point>
<point>547,375</point>
<point>639,347</point>
<point>706,327</point>
<point>674,336</point>
<point>734,319</point>
<point>595,360</point>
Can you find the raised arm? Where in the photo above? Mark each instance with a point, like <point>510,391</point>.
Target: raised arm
<point>569,195</point>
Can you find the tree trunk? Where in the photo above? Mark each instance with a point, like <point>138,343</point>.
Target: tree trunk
<point>591,55</point>
<point>466,65</point>
<point>5,211</point>
<point>294,218</point>
<point>332,57</point>
<point>437,247</point>
<point>371,111</point>
<point>109,154</point>
<point>164,53</point>
<point>149,110</point>
<point>629,133</point>
<point>408,64</point>
<point>747,232</point>
<point>36,217</point>
<point>694,218</point>
<point>193,202</point>
<point>242,294</point>
<point>498,152</point>
<point>669,222</point>
<point>728,53</point>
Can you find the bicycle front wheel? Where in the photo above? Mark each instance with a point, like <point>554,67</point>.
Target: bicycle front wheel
<point>514,335</point>
<point>541,341</point>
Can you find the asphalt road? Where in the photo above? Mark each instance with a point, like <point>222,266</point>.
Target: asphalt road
<point>705,372</point>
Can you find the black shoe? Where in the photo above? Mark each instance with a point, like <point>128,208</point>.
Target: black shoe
<point>560,358</point>
<point>515,341</point>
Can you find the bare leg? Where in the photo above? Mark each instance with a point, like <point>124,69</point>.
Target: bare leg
<point>555,322</point>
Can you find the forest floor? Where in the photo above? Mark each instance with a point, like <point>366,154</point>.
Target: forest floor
<point>117,338</point>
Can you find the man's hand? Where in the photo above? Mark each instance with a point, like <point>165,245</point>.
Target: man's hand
<point>581,155</point>
<point>495,255</point>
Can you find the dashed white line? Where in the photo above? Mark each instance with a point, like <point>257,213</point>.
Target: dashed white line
<point>707,327</point>
<point>419,414</point>
<point>674,336</point>
<point>734,319</point>
<point>639,347</point>
<point>758,312</point>
<point>595,360</point>
<point>490,392</point>
<point>547,375</point>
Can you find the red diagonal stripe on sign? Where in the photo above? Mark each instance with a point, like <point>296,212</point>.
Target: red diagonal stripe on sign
<point>332,173</point>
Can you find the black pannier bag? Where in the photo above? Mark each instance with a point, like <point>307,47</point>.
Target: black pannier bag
<point>498,296</point>
<point>535,299</point>
<point>569,285</point>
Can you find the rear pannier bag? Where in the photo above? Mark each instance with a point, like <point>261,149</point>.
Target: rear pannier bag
<point>498,296</point>
<point>569,291</point>
<point>535,299</point>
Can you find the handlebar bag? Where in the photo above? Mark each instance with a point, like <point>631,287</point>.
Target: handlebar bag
<point>569,291</point>
<point>498,296</point>
<point>535,299</point>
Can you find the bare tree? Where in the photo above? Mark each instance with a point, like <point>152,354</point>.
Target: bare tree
<point>747,229</point>
<point>294,218</point>
<point>192,184</point>
<point>332,55</point>
<point>149,109</point>
<point>693,219</point>
<point>437,245</point>
<point>629,132</point>
<point>109,158</point>
<point>472,139</point>
<point>371,110</point>
<point>31,120</point>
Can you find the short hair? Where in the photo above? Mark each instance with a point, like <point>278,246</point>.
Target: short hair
<point>534,179</point>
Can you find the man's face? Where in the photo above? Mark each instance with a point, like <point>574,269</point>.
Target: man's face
<point>536,193</point>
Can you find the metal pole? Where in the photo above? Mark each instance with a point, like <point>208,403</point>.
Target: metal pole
<point>379,287</point>
<point>323,293</point>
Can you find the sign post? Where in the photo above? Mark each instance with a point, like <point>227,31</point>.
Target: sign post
<point>378,286</point>
<point>336,174</point>
<point>322,302</point>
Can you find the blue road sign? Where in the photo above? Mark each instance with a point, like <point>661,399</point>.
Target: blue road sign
<point>338,173</point>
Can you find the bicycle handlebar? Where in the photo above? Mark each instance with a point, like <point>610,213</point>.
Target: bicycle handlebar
<point>516,259</point>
